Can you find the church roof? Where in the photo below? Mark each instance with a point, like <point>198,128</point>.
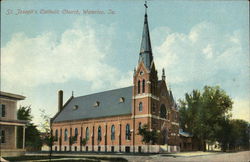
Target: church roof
<point>104,104</point>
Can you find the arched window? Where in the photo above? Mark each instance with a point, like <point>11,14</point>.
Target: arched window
<point>152,87</point>
<point>61,134</point>
<point>143,86</point>
<point>165,136</point>
<point>99,133</point>
<point>139,86</point>
<point>3,110</point>
<point>163,112</point>
<point>154,107</point>
<point>140,126</point>
<point>56,135</point>
<point>127,132</point>
<point>87,134</point>
<point>140,106</point>
<point>76,133</point>
<point>65,135</point>
<point>3,136</point>
<point>155,88</point>
<point>112,132</point>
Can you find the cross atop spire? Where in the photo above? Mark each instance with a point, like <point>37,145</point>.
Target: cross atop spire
<point>146,52</point>
<point>146,6</point>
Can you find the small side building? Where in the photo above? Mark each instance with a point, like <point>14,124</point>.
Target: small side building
<point>10,126</point>
<point>188,142</point>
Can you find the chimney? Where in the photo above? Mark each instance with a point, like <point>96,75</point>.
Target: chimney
<point>60,100</point>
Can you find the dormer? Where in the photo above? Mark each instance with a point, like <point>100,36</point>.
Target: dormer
<point>121,99</point>
<point>75,107</point>
<point>97,104</point>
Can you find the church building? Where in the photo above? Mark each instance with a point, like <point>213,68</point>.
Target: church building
<point>109,121</point>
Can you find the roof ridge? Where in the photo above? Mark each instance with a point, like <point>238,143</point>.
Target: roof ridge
<point>103,92</point>
<point>12,95</point>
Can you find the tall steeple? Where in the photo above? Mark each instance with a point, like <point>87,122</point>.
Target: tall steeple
<point>146,54</point>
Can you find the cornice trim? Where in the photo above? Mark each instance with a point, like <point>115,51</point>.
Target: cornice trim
<point>148,116</point>
<point>138,96</point>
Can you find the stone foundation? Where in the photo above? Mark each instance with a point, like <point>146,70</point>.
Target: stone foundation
<point>12,152</point>
<point>124,149</point>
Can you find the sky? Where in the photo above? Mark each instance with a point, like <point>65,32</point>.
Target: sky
<point>91,46</point>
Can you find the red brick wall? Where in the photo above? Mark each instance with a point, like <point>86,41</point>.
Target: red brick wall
<point>104,123</point>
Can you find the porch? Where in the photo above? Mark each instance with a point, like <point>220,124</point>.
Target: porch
<point>12,137</point>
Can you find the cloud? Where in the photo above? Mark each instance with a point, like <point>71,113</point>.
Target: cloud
<point>159,34</point>
<point>37,66</point>
<point>207,55</point>
<point>125,80</point>
<point>80,53</point>
<point>208,51</point>
<point>202,54</point>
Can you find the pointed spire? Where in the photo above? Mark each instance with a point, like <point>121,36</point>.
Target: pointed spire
<point>172,99</point>
<point>163,74</point>
<point>171,95</point>
<point>146,51</point>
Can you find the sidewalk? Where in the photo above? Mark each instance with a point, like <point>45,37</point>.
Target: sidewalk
<point>190,154</point>
<point>179,154</point>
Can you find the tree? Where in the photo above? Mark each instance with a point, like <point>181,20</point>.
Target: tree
<point>72,140</point>
<point>203,113</point>
<point>241,130</point>
<point>148,136</point>
<point>234,135</point>
<point>32,134</point>
<point>224,134</point>
<point>83,141</point>
<point>24,113</point>
<point>45,126</point>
